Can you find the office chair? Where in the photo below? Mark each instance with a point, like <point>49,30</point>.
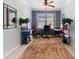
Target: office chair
<point>46,31</point>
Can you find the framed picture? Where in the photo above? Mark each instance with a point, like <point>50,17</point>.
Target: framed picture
<point>9,17</point>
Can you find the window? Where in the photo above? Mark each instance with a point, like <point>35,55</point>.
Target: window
<point>9,16</point>
<point>45,18</point>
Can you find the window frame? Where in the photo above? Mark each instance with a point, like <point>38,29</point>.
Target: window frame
<point>9,9</point>
<point>46,16</point>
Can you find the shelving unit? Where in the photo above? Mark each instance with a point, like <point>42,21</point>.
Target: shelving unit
<point>25,36</point>
<point>66,38</point>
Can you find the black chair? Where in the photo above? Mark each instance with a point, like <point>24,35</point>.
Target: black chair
<point>57,33</point>
<point>47,31</point>
<point>36,33</point>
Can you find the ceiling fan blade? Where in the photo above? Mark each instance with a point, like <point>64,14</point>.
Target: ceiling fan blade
<point>50,2</point>
<point>51,5</point>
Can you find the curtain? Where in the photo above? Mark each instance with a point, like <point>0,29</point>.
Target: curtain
<point>36,15</point>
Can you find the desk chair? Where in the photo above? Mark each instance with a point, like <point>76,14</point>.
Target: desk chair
<point>46,31</point>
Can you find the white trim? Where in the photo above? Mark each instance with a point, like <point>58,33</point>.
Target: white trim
<point>11,51</point>
<point>25,48</point>
<point>16,48</point>
<point>29,44</point>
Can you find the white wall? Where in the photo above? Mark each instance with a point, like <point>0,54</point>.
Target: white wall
<point>69,11</point>
<point>11,37</point>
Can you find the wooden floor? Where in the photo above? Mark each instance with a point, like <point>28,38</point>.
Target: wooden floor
<point>46,49</point>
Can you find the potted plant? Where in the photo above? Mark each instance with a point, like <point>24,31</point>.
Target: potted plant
<point>22,20</point>
<point>67,20</point>
<point>13,20</point>
<point>24,30</point>
<point>66,29</point>
<point>66,23</point>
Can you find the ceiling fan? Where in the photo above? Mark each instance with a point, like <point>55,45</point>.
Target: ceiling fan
<point>48,3</point>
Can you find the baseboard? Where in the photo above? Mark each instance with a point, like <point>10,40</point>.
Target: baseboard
<point>25,48</point>
<point>15,49</point>
<point>29,43</point>
<point>11,51</point>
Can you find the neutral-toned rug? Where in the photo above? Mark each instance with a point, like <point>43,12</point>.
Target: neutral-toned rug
<point>46,49</point>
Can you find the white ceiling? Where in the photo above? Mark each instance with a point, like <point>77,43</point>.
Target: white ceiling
<point>38,4</point>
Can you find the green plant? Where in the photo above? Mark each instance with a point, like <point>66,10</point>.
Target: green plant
<point>67,20</point>
<point>13,20</point>
<point>21,21</point>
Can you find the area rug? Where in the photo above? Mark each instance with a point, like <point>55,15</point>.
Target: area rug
<point>46,49</point>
